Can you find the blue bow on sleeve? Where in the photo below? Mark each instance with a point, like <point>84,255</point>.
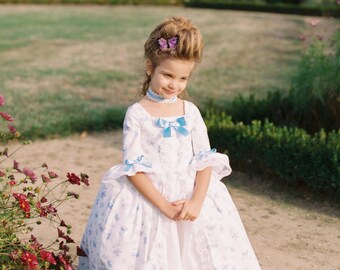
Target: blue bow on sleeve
<point>204,154</point>
<point>176,125</point>
<point>129,163</point>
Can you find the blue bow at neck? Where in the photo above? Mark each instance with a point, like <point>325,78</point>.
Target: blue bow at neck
<point>129,163</point>
<point>176,125</point>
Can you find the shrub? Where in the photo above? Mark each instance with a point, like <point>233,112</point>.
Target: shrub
<point>27,199</point>
<point>290,153</point>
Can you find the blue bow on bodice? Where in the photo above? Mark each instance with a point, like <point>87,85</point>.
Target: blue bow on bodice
<point>176,125</point>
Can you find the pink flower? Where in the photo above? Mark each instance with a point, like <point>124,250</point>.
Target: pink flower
<point>43,199</point>
<point>6,116</point>
<point>302,37</point>
<point>314,22</point>
<point>30,260</point>
<point>2,173</point>
<point>11,129</point>
<point>338,2</point>
<point>29,174</point>
<point>47,256</point>
<point>52,175</point>
<point>2,100</point>
<point>16,166</point>
<point>45,178</point>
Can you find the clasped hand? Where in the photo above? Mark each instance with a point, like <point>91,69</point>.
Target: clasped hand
<point>187,210</point>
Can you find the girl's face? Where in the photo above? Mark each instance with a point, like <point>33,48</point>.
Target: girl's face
<point>170,77</point>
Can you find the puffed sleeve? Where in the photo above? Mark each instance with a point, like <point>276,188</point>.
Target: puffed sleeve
<point>204,156</point>
<point>133,154</point>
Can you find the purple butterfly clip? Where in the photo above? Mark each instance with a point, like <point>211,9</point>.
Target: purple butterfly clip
<point>168,44</point>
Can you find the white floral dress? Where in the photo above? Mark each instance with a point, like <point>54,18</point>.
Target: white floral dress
<point>126,232</point>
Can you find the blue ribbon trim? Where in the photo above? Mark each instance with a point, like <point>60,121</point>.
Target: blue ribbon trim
<point>176,125</point>
<point>129,163</point>
<point>204,154</point>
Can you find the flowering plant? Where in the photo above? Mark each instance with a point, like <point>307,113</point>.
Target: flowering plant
<point>29,198</point>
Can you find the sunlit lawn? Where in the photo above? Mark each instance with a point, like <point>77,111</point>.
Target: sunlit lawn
<point>62,62</point>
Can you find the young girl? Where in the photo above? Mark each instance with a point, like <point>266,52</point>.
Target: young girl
<point>165,207</point>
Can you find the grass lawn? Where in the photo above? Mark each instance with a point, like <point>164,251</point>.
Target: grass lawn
<point>66,68</point>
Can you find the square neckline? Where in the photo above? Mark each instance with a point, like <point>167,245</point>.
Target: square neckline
<point>165,117</point>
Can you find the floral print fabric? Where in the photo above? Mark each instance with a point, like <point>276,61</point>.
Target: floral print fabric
<point>126,232</point>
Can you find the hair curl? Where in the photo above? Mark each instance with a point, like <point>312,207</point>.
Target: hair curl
<point>189,46</point>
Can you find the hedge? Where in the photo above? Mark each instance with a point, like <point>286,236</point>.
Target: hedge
<point>317,10</point>
<point>289,153</point>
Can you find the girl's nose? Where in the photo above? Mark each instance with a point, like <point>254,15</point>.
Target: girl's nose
<point>172,85</point>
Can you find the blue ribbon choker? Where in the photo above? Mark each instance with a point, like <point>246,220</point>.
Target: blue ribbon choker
<point>157,98</point>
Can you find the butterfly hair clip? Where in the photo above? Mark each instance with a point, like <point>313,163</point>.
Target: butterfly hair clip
<point>166,44</point>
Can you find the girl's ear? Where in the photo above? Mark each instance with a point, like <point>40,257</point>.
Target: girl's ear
<point>148,67</point>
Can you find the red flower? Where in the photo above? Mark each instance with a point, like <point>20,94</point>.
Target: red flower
<point>81,252</point>
<point>12,183</point>
<point>45,178</point>
<point>47,256</point>
<point>19,196</point>
<point>11,129</point>
<point>2,100</point>
<point>7,117</point>
<point>25,205</point>
<point>52,175</point>
<point>43,200</point>
<point>29,174</point>
<point>2,173</point>
<point>64,247</point>
<point>63,224</point>
<point>30,260</point>
<point>73,179</point>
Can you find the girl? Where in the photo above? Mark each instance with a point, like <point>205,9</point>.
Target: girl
<point>165,207</point>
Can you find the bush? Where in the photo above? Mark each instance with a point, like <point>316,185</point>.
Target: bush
<point>313,102</point>
<point>290,153</point>
<point>27,200</point>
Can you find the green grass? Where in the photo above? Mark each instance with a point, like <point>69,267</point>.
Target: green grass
<point>63,64</point>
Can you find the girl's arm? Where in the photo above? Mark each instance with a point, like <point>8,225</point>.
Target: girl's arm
<point>143,184</point>
<point>192,208</point>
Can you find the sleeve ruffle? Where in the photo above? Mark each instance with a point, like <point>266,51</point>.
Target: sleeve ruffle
<point>217,161</point>
<point>129,168</point>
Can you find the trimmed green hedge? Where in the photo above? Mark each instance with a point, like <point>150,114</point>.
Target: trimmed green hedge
<point>290,153</point>
<point>99,2</point>
<point>327,10</point>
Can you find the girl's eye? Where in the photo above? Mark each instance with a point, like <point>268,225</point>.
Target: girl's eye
<point>167,75</point>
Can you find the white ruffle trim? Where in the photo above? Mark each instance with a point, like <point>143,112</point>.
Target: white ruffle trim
<point>217,161</point>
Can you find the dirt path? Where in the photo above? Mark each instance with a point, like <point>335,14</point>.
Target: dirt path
<point>299,236</point>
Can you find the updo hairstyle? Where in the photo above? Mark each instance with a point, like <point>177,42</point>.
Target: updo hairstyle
<point>189,45</point>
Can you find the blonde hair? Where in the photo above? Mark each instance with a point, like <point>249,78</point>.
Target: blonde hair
<point>189,46</point>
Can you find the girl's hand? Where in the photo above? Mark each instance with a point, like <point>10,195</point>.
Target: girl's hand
<point>190,210</point>
<point>171,210</point>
